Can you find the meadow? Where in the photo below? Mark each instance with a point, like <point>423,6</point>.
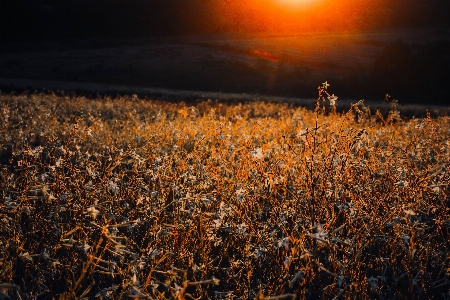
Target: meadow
<point>122,197</point>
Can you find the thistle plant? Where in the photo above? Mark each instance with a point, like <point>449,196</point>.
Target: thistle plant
<point>324,95</point>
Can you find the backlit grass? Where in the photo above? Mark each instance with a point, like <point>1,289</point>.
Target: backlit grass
<point>128,198</point>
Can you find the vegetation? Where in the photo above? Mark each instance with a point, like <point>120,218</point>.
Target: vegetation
<point>129,198</point>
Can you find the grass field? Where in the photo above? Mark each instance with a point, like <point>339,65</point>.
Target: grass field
<point>128,198</point>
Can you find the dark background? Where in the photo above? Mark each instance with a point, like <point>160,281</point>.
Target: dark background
<point>417,71</point>
<point>62,19</point>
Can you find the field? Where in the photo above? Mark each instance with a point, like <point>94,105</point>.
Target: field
<point>116,198</point>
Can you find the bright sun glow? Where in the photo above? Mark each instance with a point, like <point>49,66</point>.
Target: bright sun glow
<point>283,16</point>
<point>296,3</point>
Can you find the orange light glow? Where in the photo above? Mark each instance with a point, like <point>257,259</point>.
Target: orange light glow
<point>290,16</point>
<point>295,16</point>
<point>294,4</point>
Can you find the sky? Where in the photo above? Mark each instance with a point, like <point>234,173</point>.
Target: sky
<point>84,24</point>
<point>56,19</point>
<point>285,16</point>
<point>330,15</point>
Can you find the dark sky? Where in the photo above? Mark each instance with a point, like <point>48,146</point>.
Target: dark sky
<point>406,70</point>
<point>55,19</point>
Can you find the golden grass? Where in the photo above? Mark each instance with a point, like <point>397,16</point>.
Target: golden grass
<point>128,198</point>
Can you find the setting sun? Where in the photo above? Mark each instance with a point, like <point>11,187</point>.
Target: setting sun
<point>294,16</point>
<point>296,3</point>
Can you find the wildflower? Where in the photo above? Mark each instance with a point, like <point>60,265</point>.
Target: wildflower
<point>26,256</point>
<point>59,162</point>
<point>44,177</point>
<point>240,194</point>
<point>409,212</point>
<point>332,99</point>
<point>113,187</point>
<point>259,251</point>
<point>93,212</point>
<point>287,262</point>
<point>217,223</point>
<point>141,264</point>
<point>405,239</point>
<point>242,229</point>
<point>257,153</point>
<point>319,233</point>
<point>153,253</point>
<point>154,285</point>
<point>215,281</point>
<point>436,190</point>
<point>297,276</point>
<point>402,183</point>
<point>420,125</point>
<point>284,242</point>
<point>325,85</point>
<point>85,247</point>
<point>302,133</point>
<point>179,291</point>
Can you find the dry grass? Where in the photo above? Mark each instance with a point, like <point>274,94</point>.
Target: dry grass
<point>126,198</point>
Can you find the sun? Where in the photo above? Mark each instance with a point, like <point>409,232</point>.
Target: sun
<point>296,3</point>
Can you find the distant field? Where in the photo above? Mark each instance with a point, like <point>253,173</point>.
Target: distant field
<point>91,90</point>
<point>120,197</point>
<point>207,63</point>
